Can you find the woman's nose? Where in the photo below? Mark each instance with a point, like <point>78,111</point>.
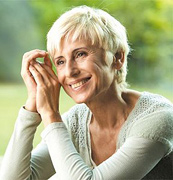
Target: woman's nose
<point>72,69</point>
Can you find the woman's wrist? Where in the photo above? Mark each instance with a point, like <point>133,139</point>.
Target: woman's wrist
<point>50,117</point>
<point>31,105</point>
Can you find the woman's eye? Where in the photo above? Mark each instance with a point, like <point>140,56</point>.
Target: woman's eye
<point>60,62</point>
<point>80,54</point>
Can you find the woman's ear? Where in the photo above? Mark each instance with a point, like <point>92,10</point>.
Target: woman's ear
<point>118,60</point>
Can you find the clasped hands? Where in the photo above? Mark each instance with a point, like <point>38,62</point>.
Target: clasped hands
<point>42,86</point>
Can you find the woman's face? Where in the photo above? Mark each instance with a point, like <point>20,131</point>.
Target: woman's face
<point>82,70</point>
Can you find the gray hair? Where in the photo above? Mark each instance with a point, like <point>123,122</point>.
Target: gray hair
<point>94,25</point>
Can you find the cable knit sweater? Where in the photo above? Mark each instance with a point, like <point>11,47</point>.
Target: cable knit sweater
<point>145,140</point>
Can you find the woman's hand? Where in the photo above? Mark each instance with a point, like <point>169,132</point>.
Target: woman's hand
<point>47,91</point>
<point>29,81</point>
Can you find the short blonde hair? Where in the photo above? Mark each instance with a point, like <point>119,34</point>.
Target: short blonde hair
<point>95,26</point>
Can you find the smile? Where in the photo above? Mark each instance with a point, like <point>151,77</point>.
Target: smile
<point>79,84</point>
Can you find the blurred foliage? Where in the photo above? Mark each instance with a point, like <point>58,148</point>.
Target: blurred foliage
<point>18,34</point>
<point>149,24</point>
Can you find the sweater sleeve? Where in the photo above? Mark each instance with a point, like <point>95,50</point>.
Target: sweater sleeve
<point>157,126</point>
<point>132,161</point>
<point>17,162</point>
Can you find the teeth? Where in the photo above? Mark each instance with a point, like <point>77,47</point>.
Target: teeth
<point>79,84</point>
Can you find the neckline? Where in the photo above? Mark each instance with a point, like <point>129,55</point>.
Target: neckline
<point>124,125</point>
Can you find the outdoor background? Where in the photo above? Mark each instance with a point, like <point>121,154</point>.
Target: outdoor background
<point>24,25</point>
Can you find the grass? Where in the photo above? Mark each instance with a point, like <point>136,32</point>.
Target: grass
<point>13,96</point>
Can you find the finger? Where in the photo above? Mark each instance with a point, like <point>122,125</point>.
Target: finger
<point>30,52</point>
<point>28,58</point>
<point>31,78</point>
<point>37,76</point>
<point>45,75</point>
<point>47,60</point>
<point>50,71</point>
<point>27,54</point>
<point>31,56</point>
<point>48,75</point>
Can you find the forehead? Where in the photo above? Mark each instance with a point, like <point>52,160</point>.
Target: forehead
<point>67,46</point>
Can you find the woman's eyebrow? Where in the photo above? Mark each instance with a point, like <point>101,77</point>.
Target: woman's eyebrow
<point>59,57</point>
<point>79,49</point>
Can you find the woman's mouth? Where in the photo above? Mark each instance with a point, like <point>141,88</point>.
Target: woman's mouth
<point>80,83</point>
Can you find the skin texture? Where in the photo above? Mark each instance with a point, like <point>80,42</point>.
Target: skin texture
<point>88,77</point>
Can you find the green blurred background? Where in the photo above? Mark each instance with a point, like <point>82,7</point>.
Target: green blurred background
<point>24,25</point>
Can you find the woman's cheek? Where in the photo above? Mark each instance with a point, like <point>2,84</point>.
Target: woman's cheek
<point>60,77</point>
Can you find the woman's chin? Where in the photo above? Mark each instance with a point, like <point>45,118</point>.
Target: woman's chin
<point>81,96</point>
<point>81,99</point>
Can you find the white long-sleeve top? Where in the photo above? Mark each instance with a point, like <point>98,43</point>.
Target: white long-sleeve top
<point>65,151</point>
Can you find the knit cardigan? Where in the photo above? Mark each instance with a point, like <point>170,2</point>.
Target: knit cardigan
<point>151,121</point>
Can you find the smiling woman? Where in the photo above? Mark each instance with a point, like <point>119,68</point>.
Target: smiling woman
<point>112,133</point>
<point>82,68</point>
<point>94,27</point>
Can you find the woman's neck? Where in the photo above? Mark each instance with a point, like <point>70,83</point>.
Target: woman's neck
<point>110,109</point>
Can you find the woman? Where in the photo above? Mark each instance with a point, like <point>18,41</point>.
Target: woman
<point>112,132</point>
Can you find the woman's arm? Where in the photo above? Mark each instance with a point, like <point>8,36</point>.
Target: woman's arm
<point>132,161</point>
<point>17,162</point>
